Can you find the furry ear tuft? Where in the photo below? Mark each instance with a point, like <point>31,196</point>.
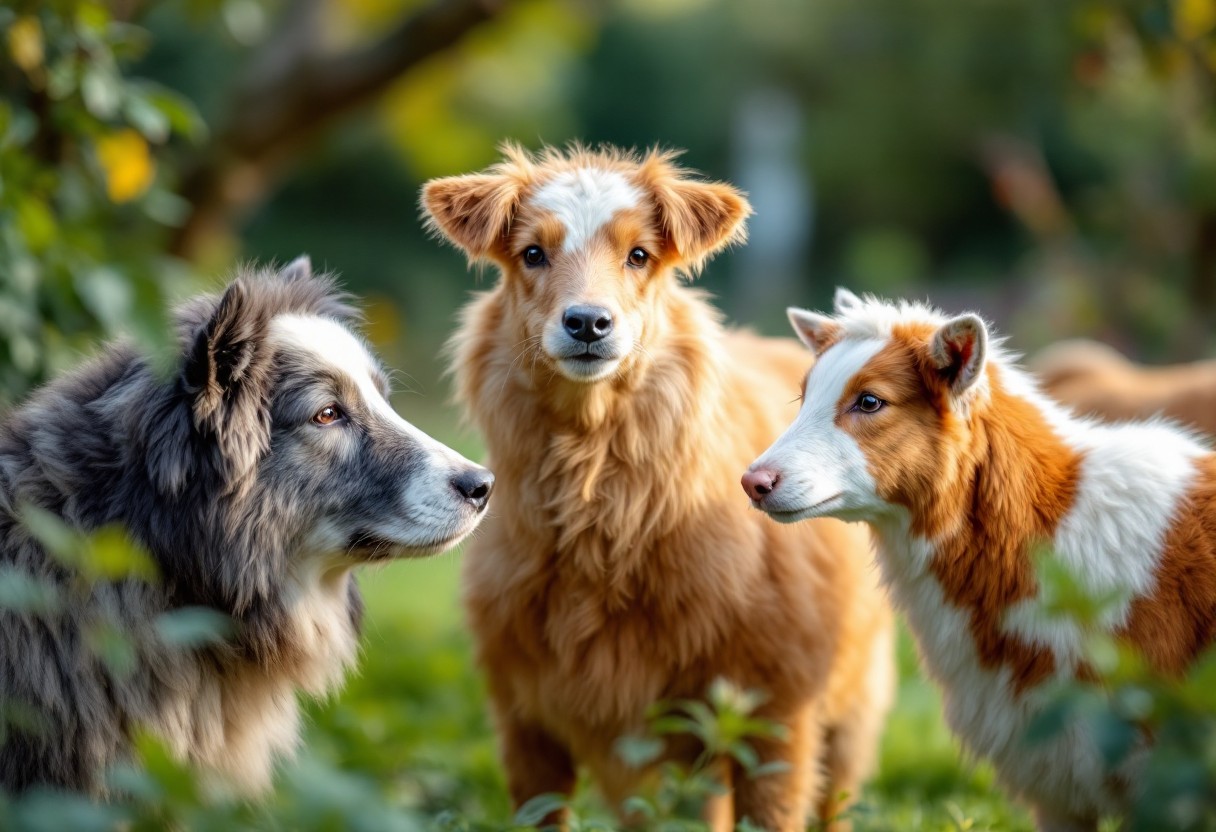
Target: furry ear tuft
<point>959,352</point>
<point>227,376</point>
<point>845,301</point>
<point>817,331</point>
<point>700,218</point>
<point>298,269</point>
<point>473,211</point>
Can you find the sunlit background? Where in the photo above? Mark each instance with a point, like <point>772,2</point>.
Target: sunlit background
<point>1050,163</point>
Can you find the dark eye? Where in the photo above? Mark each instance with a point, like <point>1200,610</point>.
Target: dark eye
<point>328,415</point>
<point>869,403</point>
<point>534,255</point>
<point>638,258</point>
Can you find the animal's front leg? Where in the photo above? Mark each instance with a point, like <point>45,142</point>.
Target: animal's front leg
<point>781,800</point>
<point>536,763</point>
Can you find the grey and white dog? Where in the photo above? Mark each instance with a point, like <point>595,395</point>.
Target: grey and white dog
<point>256,478</point>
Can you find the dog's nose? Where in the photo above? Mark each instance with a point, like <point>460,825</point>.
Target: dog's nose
<point>587,323</point>
<point>759,483</point>
<point>474,485</point>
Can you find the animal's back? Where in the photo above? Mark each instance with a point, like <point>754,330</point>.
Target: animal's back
<point>1096,380</point>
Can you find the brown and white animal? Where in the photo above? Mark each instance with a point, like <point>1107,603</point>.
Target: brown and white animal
<point>1097,380</point>
<point>923,427</point>
<point>620,567</point>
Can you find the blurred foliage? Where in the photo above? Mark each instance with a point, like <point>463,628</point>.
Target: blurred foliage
<point>1161,723</point>
<point>82,203</point>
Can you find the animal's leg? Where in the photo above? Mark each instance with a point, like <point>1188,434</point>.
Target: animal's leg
<point>1049,820</point>
<point>719,811</point>
<point>536,764</point>
<point>851,744</point>
<point>780,801</point>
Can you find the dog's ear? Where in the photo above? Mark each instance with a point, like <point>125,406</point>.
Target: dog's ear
<point>699,218</point>
<point>227,377</point>
<point>845,301</point>
<point>817,331</point>
<point>959,351</point>
<point>473,211</point>
<point>298,269</point>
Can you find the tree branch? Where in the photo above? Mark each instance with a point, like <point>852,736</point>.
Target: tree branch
<point>292,90</point>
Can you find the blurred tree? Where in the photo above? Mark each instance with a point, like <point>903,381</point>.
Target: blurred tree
<point>294,84</point>
<point>108,182</point>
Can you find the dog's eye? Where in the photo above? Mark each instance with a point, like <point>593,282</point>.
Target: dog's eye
<point>869,403</point>
<point>534,256</point>
<point>328,415</point>
<point>638,258</point>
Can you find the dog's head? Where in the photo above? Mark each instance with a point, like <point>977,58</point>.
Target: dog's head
<point>587,243</point>
<point>289,419</point>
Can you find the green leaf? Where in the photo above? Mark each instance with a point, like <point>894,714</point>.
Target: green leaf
<point>674,725</point>
<point>638,806</point>
<point>24,593</point>
<point>638,751</point>
<point>183,118</point>
<point>771,767</point>
<point>193,627</point>
<point>744,754</point>
<point>102,92</point>
<point>538,808</point>
<point>113,555</point>
<point>114,647</point>
<point>146,117</point>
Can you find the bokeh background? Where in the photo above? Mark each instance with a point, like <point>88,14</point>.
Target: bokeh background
<point>1051,163</point>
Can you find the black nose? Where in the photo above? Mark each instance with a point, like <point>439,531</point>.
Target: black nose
<point>474,485</point>
<point>587,323</point>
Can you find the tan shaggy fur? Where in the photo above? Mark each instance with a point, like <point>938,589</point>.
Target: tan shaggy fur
<point>621,566</point>
<point>1096,380</point>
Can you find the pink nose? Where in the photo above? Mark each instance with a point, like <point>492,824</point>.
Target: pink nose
<point>759,484</point>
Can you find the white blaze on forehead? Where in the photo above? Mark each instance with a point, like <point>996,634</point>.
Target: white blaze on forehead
<point>815,459</point>
<point>336,347</point>
<point>832,373</point>
<point>585,199</point>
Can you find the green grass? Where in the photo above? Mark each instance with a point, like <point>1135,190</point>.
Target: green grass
<point>414,719</point>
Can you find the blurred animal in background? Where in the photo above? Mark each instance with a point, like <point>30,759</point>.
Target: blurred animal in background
<point>620,568</point>
<point>256,476</point>
<point>922,426</point>
<point>1097,380</point>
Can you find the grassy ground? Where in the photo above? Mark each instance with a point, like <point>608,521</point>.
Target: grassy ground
<point>414,718</point>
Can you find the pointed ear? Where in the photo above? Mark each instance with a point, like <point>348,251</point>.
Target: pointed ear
<point>845,301</point>
<point>699,218</point>
<point>298,269</point>
<point>227,377</point>
<point>959,350</point>
<point>472,211</point>
<point>817,331</point>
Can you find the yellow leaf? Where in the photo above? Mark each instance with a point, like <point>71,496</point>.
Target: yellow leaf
<point>25,43</point>
<point>128,164</point>
<point>1194,18</point>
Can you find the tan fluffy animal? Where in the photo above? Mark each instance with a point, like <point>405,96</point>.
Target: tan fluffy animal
<point>621,566</point>
<point>1096,380</point>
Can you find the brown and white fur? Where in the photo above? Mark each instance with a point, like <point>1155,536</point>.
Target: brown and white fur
<point>620,567</point>
<point>922,426</point>
<point>1097,380</point>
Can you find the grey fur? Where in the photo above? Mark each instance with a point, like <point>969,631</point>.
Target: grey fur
<point>244,504</point>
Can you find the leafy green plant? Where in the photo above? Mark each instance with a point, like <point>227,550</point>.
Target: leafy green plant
<point>86,198</point>
<point>1166,723</point>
